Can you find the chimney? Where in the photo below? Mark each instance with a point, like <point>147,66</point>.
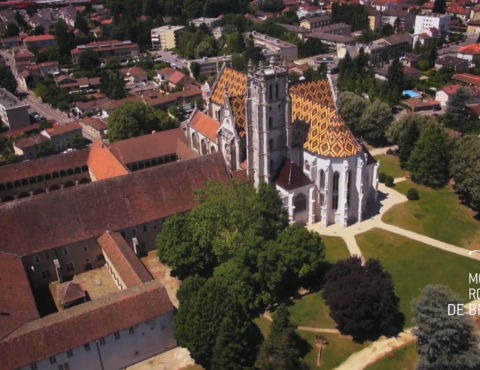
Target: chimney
<point>153,132</point>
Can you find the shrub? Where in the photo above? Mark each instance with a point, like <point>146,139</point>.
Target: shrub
<point>390,151</point>
<point>413,194</point>
<point>389,181</point>
<point>381,177</point>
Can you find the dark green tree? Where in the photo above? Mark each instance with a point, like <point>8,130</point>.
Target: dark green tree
<point>281,349</point>
<point>429,160</point>
<point>112,62</point>
<point>81,23</point>
<point>39,30</point>
<point>88,60</point>
<point>439,6</point>
<point>444,341</point>
<point>31,9</point>
<point>195,69</point>
<point>12,30</point>
<point>407,144</point>
<point>45,148</point>
<point>375,121</point>
<point>229,349</point>
<point>396,78</point>
<point>77,140</point>
<point>351,107</point>
<point>458,113</point>
<point>64,37</point>
<point>8,80</point>
<point>236,43</point>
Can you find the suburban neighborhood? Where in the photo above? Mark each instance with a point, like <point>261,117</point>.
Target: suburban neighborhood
<point>239,185</point>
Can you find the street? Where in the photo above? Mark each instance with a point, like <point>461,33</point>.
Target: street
<point>30,98</point>
<point>452,48</point>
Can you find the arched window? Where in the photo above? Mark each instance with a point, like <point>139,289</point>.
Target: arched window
<point>48,177</point>
<point>349,183</point>
<point>204,147</point>
<point>300,203</point>
<point>270,145</point>
<point>322,187</point>
<point>84,168</point>
<point>195,141</point>
<point>213,150</point>
<point>272,164</point>
<point>270,123</point>
<point>70,172</point>
<point>24,183</point>
<point>63,173</point>
<point>336,181</point>
<point>306,166</point>
<point>55,175</point>
<point>276,91</point>
<point>141,166</point>
<point>17,184</point>
<point>270,92</point>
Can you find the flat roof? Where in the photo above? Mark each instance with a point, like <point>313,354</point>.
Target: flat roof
<point>10,101</point>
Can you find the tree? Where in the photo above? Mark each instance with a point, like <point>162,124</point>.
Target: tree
<point>362,299</point>
<point>136,119</point>
<point>439,7</point>
<point>31,9</point>
<point>43,125</point>
<point>204,49</point>
<point>64,38</point>
<point>457,112</point>
<point>76,140</point>
<point>412,194</point>
<point>311,47</point>
<point>430,159</point>
<point>113,62</point>
<point>45,148</point>
<point>396,78</point>
<point>39,30</point>
<point>12,30</point>
<point>8,80</point>
<point>204,304</point>
<point>351,106</point>
<point>271,5</point>
<point>375,121</point>
<point>399,127</point>
<point>228,352</point>
<point>465,169</point>
<point>444,341</point>
<point>389,182</point>
<point>407,144</point>
<point>236,43</point>
<point>197,103</point>
<point>281,349</point>
<point>195,69</point>
<point>88,60</point>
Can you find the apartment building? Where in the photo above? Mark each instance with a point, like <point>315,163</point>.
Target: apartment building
<point>398,18</point>
<point>335,29</point>
<point>166,37</point>
<point>210,22</point>
<point>286,50</point>
<point>121,50</point>
<point>426,21</point>
<point>210,66</point>
<point>374,19</point>
<point>13,111</point>
<point>40,41</point>
<point>312,23</point>
<point>394,46</point>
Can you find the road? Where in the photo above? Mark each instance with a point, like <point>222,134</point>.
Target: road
<point>452,48</point>
<point>30,98</point>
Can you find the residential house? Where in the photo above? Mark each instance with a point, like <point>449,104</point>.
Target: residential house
<point>470,53</point>
<point>210,66</point>
<point>40,41</point>
<point>443,95</point>
<point>310,11</point>
<point>105,50</point>
<point>382,5</point>
<point>300,31</point>
<point>178,78</point>
<point>467,79</point>
<point>161,100</point>
<point>253,19</point>
<point>287,50</point>
<point>94,128</point>
<point>315,22</point>
<point>68,14</point>
<point>401,20</point>
<point>92,106</point>
<point>49,68</point>
<point>299,69</point>
<point>13,111</point>
<point>38,20</point>
<point>134,75</point>
<point>28,146</point>
<point>412,59</point>
<point>453,63</point>
<point>61,136</point>
<point>409,72</point>
<point>210,22</point>
<point>165,73</point>
<point>418,105</point>
<point>459,12</point>
<point>217,32</point>
<point>109,107</point>
<point>11,42</point>
<point>393,45</point>
<point>374,19</point>
<point>427,8</point>
<point>78,84</point>
<point>474,16</point>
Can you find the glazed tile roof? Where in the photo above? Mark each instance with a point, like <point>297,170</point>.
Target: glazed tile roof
<point>328,136</point>
<point>238,107</point>
<point>235,81</point>
<point>318,91</point>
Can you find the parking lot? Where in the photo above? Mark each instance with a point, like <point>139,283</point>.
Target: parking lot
<point>169,57</point>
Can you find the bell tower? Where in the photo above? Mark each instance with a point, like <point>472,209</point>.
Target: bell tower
<point>269,120</point>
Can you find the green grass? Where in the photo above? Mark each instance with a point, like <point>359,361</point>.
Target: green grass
<point>413,265</point>
<point>337,351</point>
<point>404,358</point>
<point>437,214</point>
<point>264,326</point>
<point>311,309</point>
<point>390,165</point>
<point>335,248</point>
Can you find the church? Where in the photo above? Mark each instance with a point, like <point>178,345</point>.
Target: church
<point>291,137</point>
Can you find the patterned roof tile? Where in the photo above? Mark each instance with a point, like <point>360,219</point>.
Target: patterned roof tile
<point>235,81</point>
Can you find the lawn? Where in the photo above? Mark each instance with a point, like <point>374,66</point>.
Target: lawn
<point>437,214</point>
<point>337,351</point>
<point>264,325</point>
<point>311,309</point>
<point>404,358</point>
<point>413,265</point>
<point>390,165</point>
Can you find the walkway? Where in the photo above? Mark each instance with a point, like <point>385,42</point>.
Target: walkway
<point>388,198</point>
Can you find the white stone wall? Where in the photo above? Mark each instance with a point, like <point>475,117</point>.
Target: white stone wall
<point>146,340</point>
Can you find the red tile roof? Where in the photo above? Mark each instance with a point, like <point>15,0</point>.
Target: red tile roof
<point>166,71</point>
<point>205,125</point>
<point>467,78</point>
<point>27,142</point>
<point>451,89</point>
<point>42,166</point>
<point>39,38</point>
<point>82,324</point>
<point>17,305</point>
<point>473,49</point>
<point>62,129</point>
<point>20,131</point>
<point>97,124</point>
<point>23,54</point>
<point>103,163</point>
<point>83,212</point>
<point>70,292</point>
<point>133,71</point>
<point>147,147</point>
<point>120,255</point>
<point>290,176</point>
<point>176,77</point>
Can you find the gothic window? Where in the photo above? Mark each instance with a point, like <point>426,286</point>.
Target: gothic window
<point>276,91</point>
<point>270,92</point>
<point>204,147</point>
<point>306,166</point>
<point>300,203</point>
<point>195,141</point>
<point>336,181</point>
<point>322,180</point>
<point>270,145</point>
<point>270,123</point>
<point>349,182</point>
<point>213,150</point>
<point>272,163</point>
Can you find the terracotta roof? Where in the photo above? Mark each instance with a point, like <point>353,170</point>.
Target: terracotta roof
<point>27,142</point>
<point>240,175</point>
<point>234,81</point>
<point>17,305</point>
<point>318,91</point>
<point>82,324</point>
<point>39,38</point>
<point>20,131</point>
<point>103,164</point>
<point>166,71</point>
<point>121,256</point>
<point>205,125</point>
<point>322,18</point>
<point>473,49</point>
<point>70,292</point>
<point>467,78</point>
<point>328,135</point>
<point>42,166</point>
<point>62,129</point>
<point>86,211</point>
<point>176,77</point>
<point>184,152</point>
<point>451,89</point>
<point>158,100</point>
<point>142,148</point>
<point>290,176</point>
<point>133,71</point>
<point>97,124</point>
<point>415,103</point>
<point>115,104</point>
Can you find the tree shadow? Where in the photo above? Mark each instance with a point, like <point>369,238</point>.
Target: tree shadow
<point>303,345</point>
<point>393,331</point>
<point>254,338</point>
